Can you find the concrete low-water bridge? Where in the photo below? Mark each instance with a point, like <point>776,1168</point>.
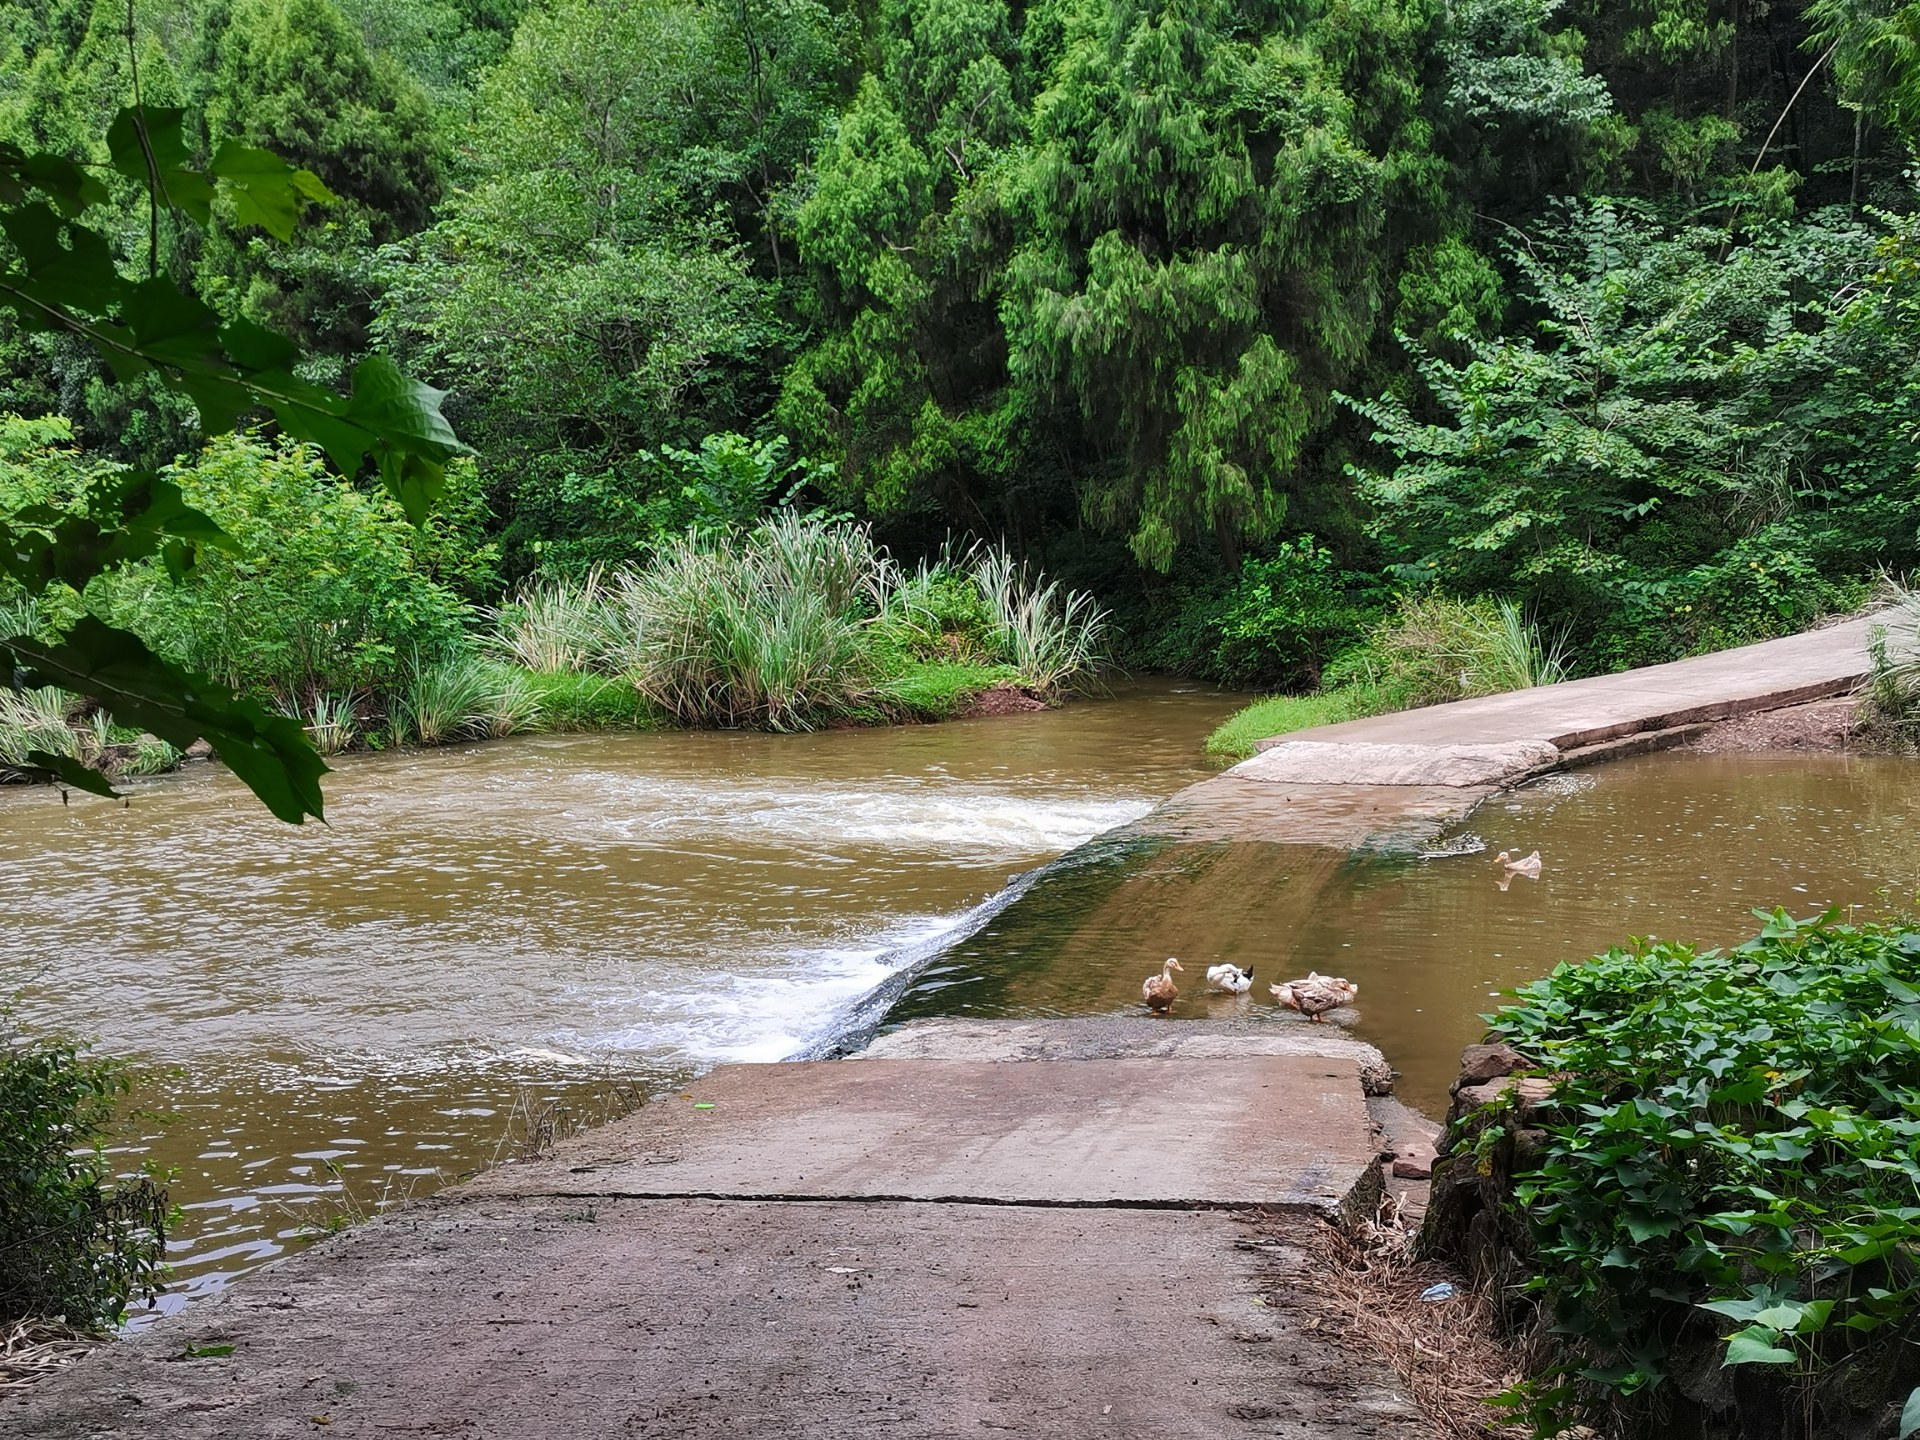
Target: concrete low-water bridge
<point>1069,1228</point>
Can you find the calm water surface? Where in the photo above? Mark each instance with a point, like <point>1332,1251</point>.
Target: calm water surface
<point>1679,846</point>
<point>341,1015</point>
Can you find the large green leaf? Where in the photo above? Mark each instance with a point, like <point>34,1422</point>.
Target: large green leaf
<point>148,143</point>
<point>128,515</point>
<point>271,754</point>
<point>266,190</point>
<point>62,181</point>
<point>1755,1347</point>
<point>1910,1415</point>
<point>69,770</point>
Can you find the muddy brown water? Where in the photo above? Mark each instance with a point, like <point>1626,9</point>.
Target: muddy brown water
<point>1680,846</point>
<point>339,1016</point>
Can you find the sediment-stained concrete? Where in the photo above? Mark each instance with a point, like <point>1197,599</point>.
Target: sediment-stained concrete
<point>947,1244</point>
<point>1276,1131</point>
<point>558,1319</point>
<point>1392,779</point>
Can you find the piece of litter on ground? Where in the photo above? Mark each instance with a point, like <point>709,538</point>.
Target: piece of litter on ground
<point>1434,1294</point>
<point>844,1269</point>
<point>704,1105</point>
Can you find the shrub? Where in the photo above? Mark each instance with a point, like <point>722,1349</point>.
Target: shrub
<point>463,697</point>
<point>1734,1142</point>
<point>1283,617</point>
<point>74,1241</point>
<point>323,592</point>
<point>1431,649</point>
<point>1435,648</point>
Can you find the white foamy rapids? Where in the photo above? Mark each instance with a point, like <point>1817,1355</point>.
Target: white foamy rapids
<point>941,819</point>
<point>729,1018</point>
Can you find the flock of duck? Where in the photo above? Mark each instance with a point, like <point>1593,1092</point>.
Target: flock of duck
<point>1314,996</point>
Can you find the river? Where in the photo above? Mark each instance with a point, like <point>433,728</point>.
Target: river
<point>492,938</point>
<point>334,1017</point>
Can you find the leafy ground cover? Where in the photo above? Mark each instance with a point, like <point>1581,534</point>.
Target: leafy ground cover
<point>1731,1156</point>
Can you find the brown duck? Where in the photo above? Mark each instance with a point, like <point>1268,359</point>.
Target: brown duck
<point>1159,991</point>
<point>1316,994</point>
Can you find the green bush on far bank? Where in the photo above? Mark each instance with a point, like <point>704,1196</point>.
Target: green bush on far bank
<point>329,607</point>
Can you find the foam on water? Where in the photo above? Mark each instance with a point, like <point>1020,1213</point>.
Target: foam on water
<point>939,818</point>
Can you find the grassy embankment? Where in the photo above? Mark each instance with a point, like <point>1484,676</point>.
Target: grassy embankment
<point>1428,650</point>
<point>799,623</point>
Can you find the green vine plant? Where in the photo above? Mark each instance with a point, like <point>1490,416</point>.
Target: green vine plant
<point>61,276</point>
<point>1734,1143</point>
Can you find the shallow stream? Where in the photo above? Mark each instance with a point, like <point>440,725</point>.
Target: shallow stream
<point>485,938</point>
<point>338,1016</point>
<point>1681,846</point>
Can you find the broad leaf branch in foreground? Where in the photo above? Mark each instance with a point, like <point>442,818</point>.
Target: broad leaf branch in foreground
<point>269,753</point>
<point>63,277</point>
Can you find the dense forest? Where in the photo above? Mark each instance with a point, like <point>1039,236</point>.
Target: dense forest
<point>1253,317</point>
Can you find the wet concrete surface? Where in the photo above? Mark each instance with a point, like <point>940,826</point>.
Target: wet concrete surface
<point>1387,781</point>
<point>890,1247</point>
<point>1281,1131</point>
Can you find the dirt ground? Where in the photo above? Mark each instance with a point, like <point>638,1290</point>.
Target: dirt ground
<point>1824,725</point>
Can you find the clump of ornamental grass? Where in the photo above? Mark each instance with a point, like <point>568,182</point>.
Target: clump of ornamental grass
<point>463,697</point>
<point>1051,635</point>
<point>557,624</point>
<point>767,630</point>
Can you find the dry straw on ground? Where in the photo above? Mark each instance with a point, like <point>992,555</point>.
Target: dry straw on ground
<point>31,1350</point>
<point>1366,1288</point>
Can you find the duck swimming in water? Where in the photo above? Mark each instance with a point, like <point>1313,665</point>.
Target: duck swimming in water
<point>1528,865</point>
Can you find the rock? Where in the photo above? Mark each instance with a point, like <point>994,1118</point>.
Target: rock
<point>1481,1063</point>
<point>1414,1163</point>
<point>1532,1092</point>
<point>199,750</point>
<point>1469,1098</point>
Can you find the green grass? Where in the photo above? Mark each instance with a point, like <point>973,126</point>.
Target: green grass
<point>1237,735</point>
<point>572,701</point>
<point>940,689</point>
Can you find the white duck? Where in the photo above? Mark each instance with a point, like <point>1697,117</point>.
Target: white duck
<point>1230,978</point>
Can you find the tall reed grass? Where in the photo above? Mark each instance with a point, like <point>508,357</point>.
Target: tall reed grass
<point>463,697</point>
<point>1053,636</point>
<point>557,624</point>
<point>806,619</point>
<point>766,630</point>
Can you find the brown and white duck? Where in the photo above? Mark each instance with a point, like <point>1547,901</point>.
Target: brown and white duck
<point>1316,994</point>
<point>1159,991</point>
